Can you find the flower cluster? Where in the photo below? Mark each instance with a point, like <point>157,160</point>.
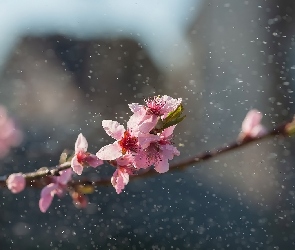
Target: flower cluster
<point>145,142</point>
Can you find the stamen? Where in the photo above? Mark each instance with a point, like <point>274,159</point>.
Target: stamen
<point>128,143</point>
<point>155,105</point>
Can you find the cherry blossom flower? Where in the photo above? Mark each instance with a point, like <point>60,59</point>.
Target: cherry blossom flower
<point>57,187</point>
<point>147,148</point>
<point>158,106</point>
<point>120,179</point>
<point>82,157</point>
<point>16,183</point>
<point>125,167</point>
<point>126,140</point>
<point>158,152</point>
<point>251,126</point>
<point>9,135</point>
<point>162,105</point>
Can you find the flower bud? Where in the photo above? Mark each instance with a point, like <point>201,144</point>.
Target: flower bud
<point>16,183</point>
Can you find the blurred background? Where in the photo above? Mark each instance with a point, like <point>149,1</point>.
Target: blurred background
<point>67,65</point>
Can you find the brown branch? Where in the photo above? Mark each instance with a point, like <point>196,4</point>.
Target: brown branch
<point>203,156</point>
<point>34,179</point>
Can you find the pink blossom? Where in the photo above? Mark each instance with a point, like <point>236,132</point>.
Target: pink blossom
<point>120,179</point>
<point>146,148</point>
<point>251,126</point>
<point>162,105</point>
<point>82,157</point>
<point>125,167</point>
<point>126,140</point>
<point>16,183</point>
<point>158,152</point>
<point>9,135</point>
<point>58,186</point>
<point>125,161</point>
<point>158,106</point>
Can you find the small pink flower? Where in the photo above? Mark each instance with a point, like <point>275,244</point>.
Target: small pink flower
<point>16,183</point>
<point>126,140</point>
<point>9,135</point>
<point>120,179</point>
<point>162,105</point>
<point>156,107</point>
<point>57,187</point>
<point>251,126</point>
<point>146,148</point>
<point>82,157</point>
<point>125,167</point>
<point>158,152</point>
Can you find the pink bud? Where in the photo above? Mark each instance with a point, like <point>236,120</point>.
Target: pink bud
<point>16,183</point>
<point>251,125</point>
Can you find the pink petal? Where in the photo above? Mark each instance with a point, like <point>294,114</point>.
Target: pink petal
<point>258,131</point>
<point>168,131</point>
<point>136,119</point>
<point>50,189</point>
<point>113,129</point>
<point>135,107</point>
<point>65,176</point>
<point>110,152</point>
<point>148,124</point>
<point>170,104</point>
<point>45,202</point>
<point>81,143</point>
<point>144,140</point>
<point>7,129</point>
<point>119,180</point>
<point>141,160</point>
<point>16,183</point>
<point>76,166</point>
<point>93,161</point>
<point>47,194</point>
<point>125,177</point>
<point>251,120</point>
<point>125,160</point>
<point>169,151</point>
<point>162,166</point>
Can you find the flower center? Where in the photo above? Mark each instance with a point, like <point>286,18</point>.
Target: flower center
<point>155,106</point>
<point>128,143</point>
<point>81,156</point>
<point>153,153</point>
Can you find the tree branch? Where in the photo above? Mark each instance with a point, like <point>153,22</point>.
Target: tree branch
<point>34,179</point>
